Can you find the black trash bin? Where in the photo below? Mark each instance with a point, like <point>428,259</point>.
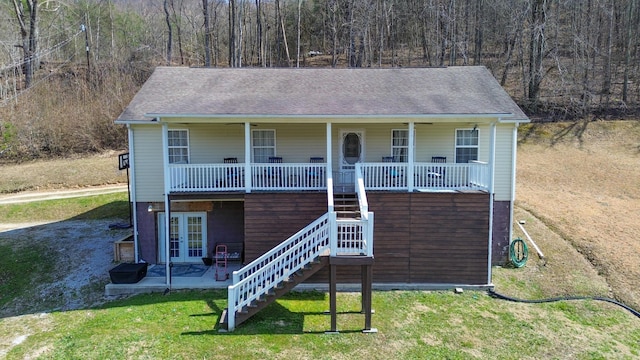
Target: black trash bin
<point>128,273</point>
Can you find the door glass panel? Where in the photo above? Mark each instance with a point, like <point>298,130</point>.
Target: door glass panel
<point>351,148</point>
<point>194,236</point>
<point>174,237</point>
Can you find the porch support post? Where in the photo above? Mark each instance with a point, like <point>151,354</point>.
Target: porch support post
<point>333,305</point>
<point>167,203</point>
<point>411,154</point>
<point>329,151</point>
<point>367,280</point>
<point>492,173</point>
<point>247,156</point>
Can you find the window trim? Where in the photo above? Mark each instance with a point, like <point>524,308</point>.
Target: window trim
<point>188,146</point>
<point>254,147</point>
<point>456,146</point>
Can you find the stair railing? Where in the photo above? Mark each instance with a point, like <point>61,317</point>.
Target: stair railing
<point>354,236</point>
<point>263,274</point>
<point>361,192</point>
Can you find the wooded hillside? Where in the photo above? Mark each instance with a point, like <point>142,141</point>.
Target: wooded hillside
<point>67,68</point>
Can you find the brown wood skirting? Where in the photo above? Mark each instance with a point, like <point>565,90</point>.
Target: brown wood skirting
<point>270,218</point>
<point>419,237</point>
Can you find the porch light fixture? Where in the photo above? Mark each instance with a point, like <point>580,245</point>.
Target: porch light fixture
<point>150,208</point>
<point>475,127</point>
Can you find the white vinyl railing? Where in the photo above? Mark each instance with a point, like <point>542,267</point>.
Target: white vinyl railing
<point>307,176</point>
<point>361,192</point>
<point>354,237</point>
<point>340,237</point>
<point>279,264</point>
<point>230,177</point>
<point>289,176</point>
<point>206,177</point>
<point>444,176</point>
<point>436,176</point>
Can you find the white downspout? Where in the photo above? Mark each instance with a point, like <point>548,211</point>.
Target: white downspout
<point>167,212</point>
<point>411,153</point>
<point>247,157</point>
<point>492,174</point>
<point>132,184</point>
<point>514,156</point>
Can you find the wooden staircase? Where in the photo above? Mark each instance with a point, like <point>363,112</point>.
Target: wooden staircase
<point>275,293</point>
<point>346,206</point>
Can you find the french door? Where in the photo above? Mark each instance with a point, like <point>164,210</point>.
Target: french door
<point>187,237</point>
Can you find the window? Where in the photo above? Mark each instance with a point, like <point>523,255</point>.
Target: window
<point>263,145</point>
<point>400,145</point>
<point>466,145</point>
<point>178,146</point>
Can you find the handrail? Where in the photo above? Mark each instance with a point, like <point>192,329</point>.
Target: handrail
<point>330,201</point>
<point>258,277</point>
<point>361,192</point>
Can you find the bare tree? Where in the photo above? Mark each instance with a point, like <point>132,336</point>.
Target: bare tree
<point>537,43</point>
<point>207,33</point>
<point>631,10</point>
<point>28,22</point>
<point>169,29</point>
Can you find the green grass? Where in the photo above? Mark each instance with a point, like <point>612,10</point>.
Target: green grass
<point>22,266</point>
<point>413,324</point>
<point>108,206</point>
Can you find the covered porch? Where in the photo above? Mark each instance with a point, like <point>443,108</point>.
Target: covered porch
<point>392,157</point>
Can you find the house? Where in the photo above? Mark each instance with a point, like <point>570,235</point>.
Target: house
<point>416,165</point>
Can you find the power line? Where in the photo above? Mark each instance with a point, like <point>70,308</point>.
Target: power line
<point>41,54</point>
<point>39,81</point>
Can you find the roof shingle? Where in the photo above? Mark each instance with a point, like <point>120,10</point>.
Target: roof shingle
<point>179,91</point>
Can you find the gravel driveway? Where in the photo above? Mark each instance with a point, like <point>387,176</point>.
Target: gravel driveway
<point>83,251</point>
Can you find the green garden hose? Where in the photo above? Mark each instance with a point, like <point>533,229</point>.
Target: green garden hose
<point>518,252</point>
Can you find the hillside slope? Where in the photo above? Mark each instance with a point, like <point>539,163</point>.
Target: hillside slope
<point>583,181</point>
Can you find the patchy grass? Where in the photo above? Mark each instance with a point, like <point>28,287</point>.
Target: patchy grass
<point>21,266</point>
<point>107,206</point>
<point>411,324</point>
<point>62,174</point>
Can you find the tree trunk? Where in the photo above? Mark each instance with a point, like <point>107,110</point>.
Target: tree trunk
<point>169,28</point>
<point>628,50</point>
<point>207,34</point>
<point>537,43</point>
<point>298,51</point>
<point>29,37</point>
<point>259,39</point>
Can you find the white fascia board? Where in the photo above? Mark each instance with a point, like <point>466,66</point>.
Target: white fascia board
<point>330,118</point>
<point>514,121</point>
<point>137,122</point>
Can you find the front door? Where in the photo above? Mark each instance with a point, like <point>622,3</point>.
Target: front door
<point>351,152</point>
<point>187,237</point>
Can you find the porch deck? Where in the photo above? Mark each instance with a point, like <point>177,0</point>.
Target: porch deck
<point>151,283</point>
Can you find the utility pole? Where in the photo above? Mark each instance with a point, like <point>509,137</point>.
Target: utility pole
<point>86,40</point>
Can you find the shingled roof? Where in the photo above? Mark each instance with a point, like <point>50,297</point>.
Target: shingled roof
<point>215,92</point>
